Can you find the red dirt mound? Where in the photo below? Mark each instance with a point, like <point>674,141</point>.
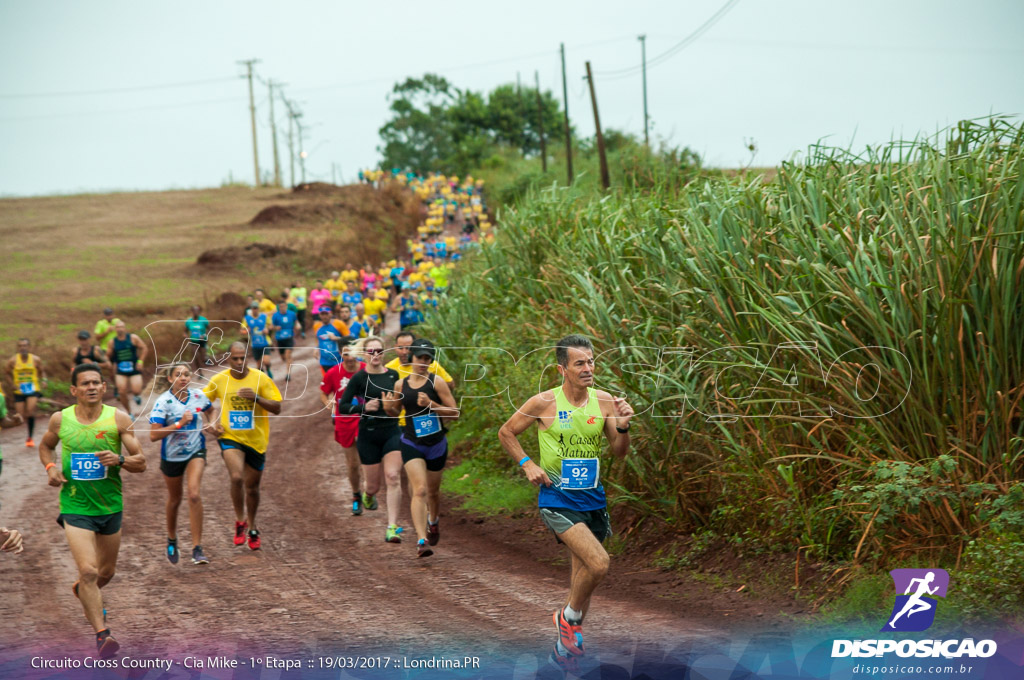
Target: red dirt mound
<point>274,213</point>
<point>234,254</point>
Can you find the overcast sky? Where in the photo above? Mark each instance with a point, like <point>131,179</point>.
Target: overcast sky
<point>86,102</point>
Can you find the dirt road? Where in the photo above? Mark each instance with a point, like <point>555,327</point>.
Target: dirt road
<point>324,580</point>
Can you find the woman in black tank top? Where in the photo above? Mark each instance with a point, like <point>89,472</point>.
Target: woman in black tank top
<point>428,404</point>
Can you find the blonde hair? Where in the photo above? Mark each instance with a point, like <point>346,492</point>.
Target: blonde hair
<point>162,380</point>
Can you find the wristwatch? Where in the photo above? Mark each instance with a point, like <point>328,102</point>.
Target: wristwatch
<point>120,459</point>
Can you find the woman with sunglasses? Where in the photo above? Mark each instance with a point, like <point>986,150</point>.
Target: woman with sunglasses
<point>428,403</point>
<point>377,443</point>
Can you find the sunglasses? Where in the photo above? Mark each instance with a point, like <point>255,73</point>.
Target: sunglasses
<point>373,351</point>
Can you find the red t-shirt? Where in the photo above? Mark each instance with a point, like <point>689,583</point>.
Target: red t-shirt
<point>335,381</point>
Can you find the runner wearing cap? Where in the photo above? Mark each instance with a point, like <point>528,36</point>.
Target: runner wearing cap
<point>127,353</point>
<point>428,404</point>
<point>29,377</point>
<point>243,432</point>
<point>346,427</point>
<point>176,423</point>
<point>328,332</point>
<point>86,352</point>
<point>104,330</point>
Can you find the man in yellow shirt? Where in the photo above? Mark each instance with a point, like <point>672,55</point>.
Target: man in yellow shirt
<point>267,305</point>
<point>376,305</point>
<point>336,285</point>
<point>29,378</point>
<point>243,432</point>
<point>349,273</point>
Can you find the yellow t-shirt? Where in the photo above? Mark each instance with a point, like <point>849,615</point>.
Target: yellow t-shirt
<point>350,275</point>
<point>267,306</point>
<point>336,286</point>
<point>375,307</point>
<point>426,267</point>
<point>243,421</point>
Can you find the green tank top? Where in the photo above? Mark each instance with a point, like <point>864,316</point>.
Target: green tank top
<point>570,454</point>
<point>92,488</point>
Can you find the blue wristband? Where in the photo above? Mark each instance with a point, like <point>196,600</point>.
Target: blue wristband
<point>523,461</point>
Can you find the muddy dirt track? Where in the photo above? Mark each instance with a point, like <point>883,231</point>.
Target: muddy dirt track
<point>324,580</point>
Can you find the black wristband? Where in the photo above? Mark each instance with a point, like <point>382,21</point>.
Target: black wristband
<point>622,430</point>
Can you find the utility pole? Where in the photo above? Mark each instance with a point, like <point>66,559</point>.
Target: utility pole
<point>273,135</point>
<point>643,62</point>
<point>568,139</point>
<point>605,180</point>
<point>334,179</point>
<point>302,151</point>
<point>522,113</point>
<point>540,124</point>
<point>252,117</point>
<point>291,142</point>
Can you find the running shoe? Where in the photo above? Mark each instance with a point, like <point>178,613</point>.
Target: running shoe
<point>30,443</point>
<point>571,636</point>
<point>254,540</point>
<point>240,529</point>
<point>391,535</point>
<point>369,502</point>
<point>198,557</point>
<point>433,532</point>
<point>423,548</point>
<point>138,400</point>
<point>106,645</point>
<point>568,664</point>
<point>172,551</point>
<point>357,505</point>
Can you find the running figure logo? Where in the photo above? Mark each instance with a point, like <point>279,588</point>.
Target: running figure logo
<point>915,611</point>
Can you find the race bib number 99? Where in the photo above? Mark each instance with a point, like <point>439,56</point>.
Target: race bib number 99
<point>580,473</point>
<point>240,420</point>
<point>86,467</point>
<point>426,425</point>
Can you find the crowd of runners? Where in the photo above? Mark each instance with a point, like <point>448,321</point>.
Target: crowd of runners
<point>390,415</point>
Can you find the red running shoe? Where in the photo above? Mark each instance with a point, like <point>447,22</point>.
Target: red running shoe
<point>570,635</point>
<point>254,540</point>
<point>240,528</point>
<point>433,532</point>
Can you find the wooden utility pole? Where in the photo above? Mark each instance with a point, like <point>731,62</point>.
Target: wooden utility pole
<point>568,139</point>
<point>605,180</point>
<point>273,136</point>
<point>643,62</point>
<point>252,117</point>
<point>522,113</point>
<point>291,146</point>
<point>540,124</point>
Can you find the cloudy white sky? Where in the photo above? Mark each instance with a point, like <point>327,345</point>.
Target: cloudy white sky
<point>135,95</point>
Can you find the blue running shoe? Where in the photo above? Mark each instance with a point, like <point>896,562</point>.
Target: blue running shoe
<point>172,551</point>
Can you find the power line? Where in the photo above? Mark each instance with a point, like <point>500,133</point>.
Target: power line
<point>158,107</point>
<point>116,90</point>
<point>675,49</point>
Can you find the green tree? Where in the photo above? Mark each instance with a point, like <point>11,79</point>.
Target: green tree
<point>420,134</point>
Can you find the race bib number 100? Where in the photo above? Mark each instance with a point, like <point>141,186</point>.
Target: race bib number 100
<point>240,420</point>
<point>86,467</point>
<point>580,473</point>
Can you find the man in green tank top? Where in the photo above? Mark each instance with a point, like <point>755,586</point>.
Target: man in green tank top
<point>572,422</point>
<point>88,472</point>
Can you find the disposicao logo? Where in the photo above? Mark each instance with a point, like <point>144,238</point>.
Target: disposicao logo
<point>914,611</point>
